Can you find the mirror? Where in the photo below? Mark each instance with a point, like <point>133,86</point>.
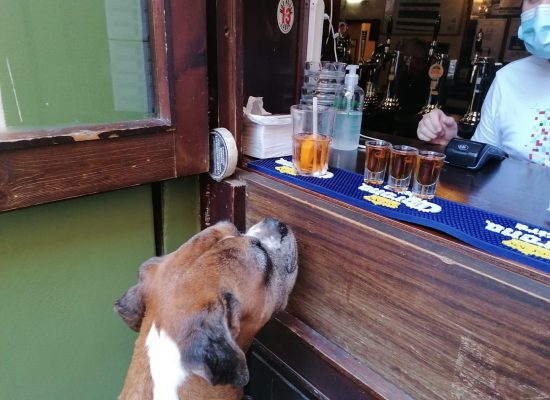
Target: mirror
<point>413,30</point>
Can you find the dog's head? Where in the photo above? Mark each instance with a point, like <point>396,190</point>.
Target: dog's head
<point>213,294</point>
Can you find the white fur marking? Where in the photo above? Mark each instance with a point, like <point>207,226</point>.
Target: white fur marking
<point>165,365</point>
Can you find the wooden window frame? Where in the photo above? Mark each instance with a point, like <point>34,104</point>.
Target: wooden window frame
<point>50,165</point>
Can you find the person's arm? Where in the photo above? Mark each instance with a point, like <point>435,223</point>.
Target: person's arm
<point>437,127</point>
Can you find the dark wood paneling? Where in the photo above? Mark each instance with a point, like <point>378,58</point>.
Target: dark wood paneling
<point>187,30</point>
<point>222,201</point>
<point>317,366</point>
<point>161,71</point>
<point>34,176</point>
<point>267,382</point>
<point>229,20</point>
<point>270,57</point>
<point>429,315</point>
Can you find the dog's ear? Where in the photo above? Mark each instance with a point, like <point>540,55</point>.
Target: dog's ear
<point>211,350</point>
<point>131,306</point>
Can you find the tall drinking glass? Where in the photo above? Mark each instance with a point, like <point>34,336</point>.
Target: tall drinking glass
<point>312,135</point>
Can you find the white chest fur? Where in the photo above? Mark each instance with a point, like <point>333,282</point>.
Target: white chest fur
<point>165,365</point>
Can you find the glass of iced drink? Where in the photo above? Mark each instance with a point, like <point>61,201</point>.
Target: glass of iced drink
<point>312,135</point>
<point>426,173</point>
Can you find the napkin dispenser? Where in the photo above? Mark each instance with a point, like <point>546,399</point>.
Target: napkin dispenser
<point>470,154</point>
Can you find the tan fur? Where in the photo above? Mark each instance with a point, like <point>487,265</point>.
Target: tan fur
<point>181,293</point>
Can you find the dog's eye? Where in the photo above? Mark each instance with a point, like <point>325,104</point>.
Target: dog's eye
<point>257,244</point>
<point>232,309</point>
<point>268,265</point>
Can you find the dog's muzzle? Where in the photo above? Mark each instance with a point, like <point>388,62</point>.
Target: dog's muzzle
<point>279,241</point>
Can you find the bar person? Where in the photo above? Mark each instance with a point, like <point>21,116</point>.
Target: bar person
<point>516,113</point>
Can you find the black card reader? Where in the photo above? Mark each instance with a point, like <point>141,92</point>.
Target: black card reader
<point>472,155</point>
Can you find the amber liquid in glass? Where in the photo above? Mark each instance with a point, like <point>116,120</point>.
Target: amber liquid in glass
<point>310,153</point>
<point>377,158</point>
<point>427,170</point>
<point>401,165</point>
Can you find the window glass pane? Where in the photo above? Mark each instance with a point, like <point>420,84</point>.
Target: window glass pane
<point>73,62</point>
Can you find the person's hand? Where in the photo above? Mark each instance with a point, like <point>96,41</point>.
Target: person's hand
<point>436,127</point>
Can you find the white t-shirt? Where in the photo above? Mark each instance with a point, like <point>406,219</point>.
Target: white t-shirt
<point>516,112</point>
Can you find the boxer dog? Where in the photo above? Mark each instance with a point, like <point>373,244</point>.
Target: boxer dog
<point>197,310</point>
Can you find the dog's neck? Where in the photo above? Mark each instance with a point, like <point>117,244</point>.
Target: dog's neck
<point>164,364</point>
<point>155,372</point>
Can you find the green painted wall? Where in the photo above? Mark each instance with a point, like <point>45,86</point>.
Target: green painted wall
<point>62,266</point>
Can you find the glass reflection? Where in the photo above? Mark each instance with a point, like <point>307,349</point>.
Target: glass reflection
<point>65,62</point>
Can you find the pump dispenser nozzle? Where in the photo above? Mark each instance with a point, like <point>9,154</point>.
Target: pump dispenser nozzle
<point>352,79</point>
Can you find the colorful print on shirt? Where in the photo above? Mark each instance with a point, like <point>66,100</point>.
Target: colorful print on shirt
<point>539,141</point>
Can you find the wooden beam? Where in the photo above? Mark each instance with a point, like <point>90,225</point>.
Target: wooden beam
<point>222,201</point>
<point>44,174</point>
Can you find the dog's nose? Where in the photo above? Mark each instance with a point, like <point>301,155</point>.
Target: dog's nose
<point>283,230</point>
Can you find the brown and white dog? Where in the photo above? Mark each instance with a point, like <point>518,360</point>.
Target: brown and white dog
<point>198,308</point>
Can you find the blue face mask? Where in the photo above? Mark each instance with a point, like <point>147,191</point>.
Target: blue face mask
<point>535,30</point>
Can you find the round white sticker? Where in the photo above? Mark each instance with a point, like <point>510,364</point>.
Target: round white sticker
<point>285,15</point>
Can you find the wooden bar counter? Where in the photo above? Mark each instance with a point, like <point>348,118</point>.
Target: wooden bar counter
<point>387,309</point>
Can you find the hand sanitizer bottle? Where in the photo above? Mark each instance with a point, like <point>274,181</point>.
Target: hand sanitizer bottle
<point>349,111</point>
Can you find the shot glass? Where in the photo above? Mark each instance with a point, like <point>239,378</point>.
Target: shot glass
<point>311,139</point>
<point>401,167</point>
<point>377,155</point>
<point>426,173</point>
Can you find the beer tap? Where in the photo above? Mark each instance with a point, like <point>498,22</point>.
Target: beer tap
<point>370,69</point>
<point>478,45</point>
<point>363,43</point>
<point>382,53</point>
<point>438,65</point>
<point>481,76</point>
<point>433,44</point>
<point>387,45</point>
<point>390,102</point>
<point>370,72</point>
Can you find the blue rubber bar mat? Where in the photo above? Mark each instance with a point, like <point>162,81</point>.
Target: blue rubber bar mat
<point>496,234</point>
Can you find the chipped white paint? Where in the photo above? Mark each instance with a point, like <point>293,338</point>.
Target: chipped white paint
<point>83,135</point>
<point>167,372</point>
